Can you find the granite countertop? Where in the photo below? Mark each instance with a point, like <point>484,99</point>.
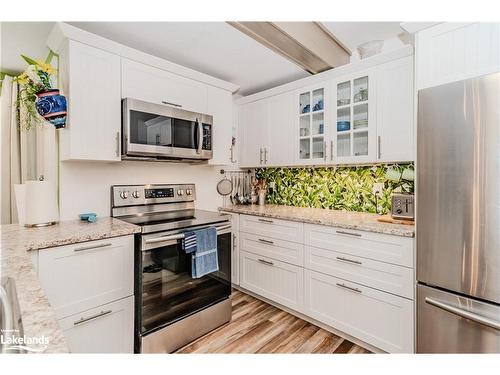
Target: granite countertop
<point>335,218</point>
<point>38,317</point>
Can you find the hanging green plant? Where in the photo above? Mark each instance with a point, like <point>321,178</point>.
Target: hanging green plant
<point>37,100</point>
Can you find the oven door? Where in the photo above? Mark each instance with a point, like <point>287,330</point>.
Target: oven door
<point>166,291</point>
<point>154,130</point>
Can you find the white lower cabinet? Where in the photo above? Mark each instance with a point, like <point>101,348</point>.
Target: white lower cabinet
<point>381,319</point>
<point>357,282</point>
<point>91,288</point>
<point>286,251</point>
<point>85,275</point>
<point>379,275</point>
<point>278,281</point>
<point>106,329</point>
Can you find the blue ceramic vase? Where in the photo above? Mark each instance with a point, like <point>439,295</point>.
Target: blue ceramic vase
<point>52,107</point>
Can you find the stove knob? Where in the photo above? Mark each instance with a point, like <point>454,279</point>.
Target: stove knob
<point>180,192</point>
<point>189,192</point>
<point>136,194</point>
<point>124,194</point>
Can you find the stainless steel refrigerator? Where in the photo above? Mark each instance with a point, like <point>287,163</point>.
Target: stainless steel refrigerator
<point>458,217</point>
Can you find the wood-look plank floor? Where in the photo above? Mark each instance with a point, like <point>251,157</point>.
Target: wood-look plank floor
<point>258,327</point>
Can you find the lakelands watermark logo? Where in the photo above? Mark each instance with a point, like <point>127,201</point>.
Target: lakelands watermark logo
<point>12,341</point>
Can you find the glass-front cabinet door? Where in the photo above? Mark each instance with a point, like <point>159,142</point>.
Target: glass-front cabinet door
<point>353,131</point>
<point>311,147</point>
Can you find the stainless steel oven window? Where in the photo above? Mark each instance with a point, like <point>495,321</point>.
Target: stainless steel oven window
<point>167,291</point>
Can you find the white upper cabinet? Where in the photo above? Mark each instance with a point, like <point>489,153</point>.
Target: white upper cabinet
<point>267,131</point>
<point>150,84</point>
<point>395,118</point>
<point>354,132</point>
<point>91,82</point>
<point>280,130</point>
<point>451,52</point>
<point>220,106</point>
<point>311,115</point>
<point>253,133</point>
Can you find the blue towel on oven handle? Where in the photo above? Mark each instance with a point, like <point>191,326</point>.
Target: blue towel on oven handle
<point>202,245</point>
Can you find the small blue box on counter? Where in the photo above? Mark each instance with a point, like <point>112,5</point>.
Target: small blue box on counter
<point>91,217</point>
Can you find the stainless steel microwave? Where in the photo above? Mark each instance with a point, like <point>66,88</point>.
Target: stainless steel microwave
<point>157,131</point>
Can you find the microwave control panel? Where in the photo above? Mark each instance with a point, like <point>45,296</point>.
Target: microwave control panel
<point>207,137</point>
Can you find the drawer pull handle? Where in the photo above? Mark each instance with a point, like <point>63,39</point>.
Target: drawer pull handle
<point>266,241</point>
<point>349,260</point>
<point>266,221</point>
<point>266,262</point>
<point>348,233</point>
<point>92,247</point>
<point>98,315</point>
<point>356,290</point>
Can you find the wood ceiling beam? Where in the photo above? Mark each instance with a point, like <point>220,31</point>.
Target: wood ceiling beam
<point>308,44</point>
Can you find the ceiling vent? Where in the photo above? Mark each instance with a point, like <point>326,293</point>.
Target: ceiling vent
<point>307,44</point>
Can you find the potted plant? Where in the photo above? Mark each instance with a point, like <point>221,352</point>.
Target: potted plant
<point>37,97</point>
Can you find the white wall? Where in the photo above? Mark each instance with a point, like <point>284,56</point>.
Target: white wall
<point>85,186</point>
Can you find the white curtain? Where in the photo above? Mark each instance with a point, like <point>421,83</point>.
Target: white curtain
<point>25,155</point>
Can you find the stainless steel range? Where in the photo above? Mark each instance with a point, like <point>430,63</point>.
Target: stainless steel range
<point>171,307</point>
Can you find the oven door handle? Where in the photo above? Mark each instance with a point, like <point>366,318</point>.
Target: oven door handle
<point>200,136</point>
<point>180,236</point>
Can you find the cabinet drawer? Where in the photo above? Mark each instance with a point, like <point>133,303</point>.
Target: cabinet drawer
<point>379,275</point>
<point>278,281</point>
<point>376,246</point>
<point>82,276</point>
<point>286,251</point>
<point>105,329</point>
<point>378,318</point>
<point>275,228</point>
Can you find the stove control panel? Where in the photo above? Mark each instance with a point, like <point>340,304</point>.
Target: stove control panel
<point>131,195</point>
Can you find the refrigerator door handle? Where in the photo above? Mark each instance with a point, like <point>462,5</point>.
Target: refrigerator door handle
<point>464,314</point>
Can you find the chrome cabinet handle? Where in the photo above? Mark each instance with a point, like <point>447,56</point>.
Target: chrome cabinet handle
<point>98,315</point>
<point>265,155</point>
<point>266,221</point>
<point>232,155</point>
<point>464,314</point>
<point>260,155</point>
<point>348,233</point>
<point>92,247</point>
<point>324,150</point>
<point>349,260</point>
<point>117,140</point>
<point>234,242</point>
<point>172,104</point>
<point>331,150</point>
<point>266,241</point>
<point>266,262</point>
<point>379,150</point>
<point>356,290</point>
<point>200,136</point>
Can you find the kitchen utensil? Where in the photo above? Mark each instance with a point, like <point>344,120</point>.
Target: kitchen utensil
<point>224,188</point>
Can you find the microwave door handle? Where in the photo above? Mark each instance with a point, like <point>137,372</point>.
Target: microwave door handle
<point>200,136</point>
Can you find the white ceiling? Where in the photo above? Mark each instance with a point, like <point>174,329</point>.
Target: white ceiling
<point>352,34</point>
<point>214,48</point>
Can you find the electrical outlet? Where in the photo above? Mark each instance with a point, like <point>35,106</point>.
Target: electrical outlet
<point>378,188</point>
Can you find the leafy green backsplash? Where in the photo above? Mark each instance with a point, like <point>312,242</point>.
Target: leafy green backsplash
<point>338,188</point>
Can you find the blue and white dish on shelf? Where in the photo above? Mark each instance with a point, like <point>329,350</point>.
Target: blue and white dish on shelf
<point>321,128</point>
<point>306,108</point>
<point>343,126</point>
<point>318,106</point>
